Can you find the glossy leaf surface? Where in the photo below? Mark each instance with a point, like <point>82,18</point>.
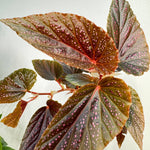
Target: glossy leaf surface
<point>12,119</point>
<point>79,79</point>
<point>68,38</point>
<point>38,123</point>
<point>121,136</point>
<point>13,87</point>
<point>90,119</point>
<point>129,38</point>
<point>135,124</point>
<point>49,70</point>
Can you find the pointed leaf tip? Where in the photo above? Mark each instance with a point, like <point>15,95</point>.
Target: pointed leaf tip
<point>69,38</point>
<point>91,117</point>
<point>129,38</point>
<point>38,123</point>
<point>135,124</point>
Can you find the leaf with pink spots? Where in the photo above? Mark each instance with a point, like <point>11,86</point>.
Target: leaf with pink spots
<point>91,117</point>
<point>14,87</point>
<point>135,124</point>
<point>70,39</point>
<point>129,38</point>
<point>38,123</point>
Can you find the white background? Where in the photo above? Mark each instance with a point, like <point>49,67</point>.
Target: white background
<point>15,53</point>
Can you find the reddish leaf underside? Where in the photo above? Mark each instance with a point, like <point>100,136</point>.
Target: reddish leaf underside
<point>90,119</point>
<point>69,38</point>
<point>38,123</point>
<point>129,38</point>
<point>13,118</point>
<point>13,87</point>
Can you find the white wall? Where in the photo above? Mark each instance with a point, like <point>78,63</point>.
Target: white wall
<point>15,53</point>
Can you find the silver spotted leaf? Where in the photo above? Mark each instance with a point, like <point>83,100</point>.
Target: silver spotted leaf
<point>68,38</point>
<point>129,38</point>
<point>90,119</point>
<point>79,79</point>
<point>49,70</point>
<point>135,124</point>
<point>38,123</point>
<point>14,87</point>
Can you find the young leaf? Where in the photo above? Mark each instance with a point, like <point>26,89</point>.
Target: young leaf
<point>38,123</point>
<point>69,38</point>
<point>135,124</point>
<point>79,79</point>
<point>129,38</point>
<point>13,118</point>
<point>70,70</point>
<point>14,87</point>
<point>90,119</point>
<point>121,136</point>
<point>49,70</point>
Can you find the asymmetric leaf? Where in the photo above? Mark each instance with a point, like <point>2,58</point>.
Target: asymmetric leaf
<point>14,87</point>
<point>90,119</point>
<point>68,38</point>
<point>129,38</point>
<point>135,124</point>
<point>49,70</point>
<point>38,123</point>
<point>13,118</point>
<point>79,79</point>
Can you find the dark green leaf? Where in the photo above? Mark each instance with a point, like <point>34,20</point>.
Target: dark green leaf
<point>90,119</point>
<point>68,38</point>
<point>135,124</point>
<point>49,70</point>
<point>7,148</point>
<point>0,116</point>
<point>38,123</point>
<point>129,38</point>
<point>121,136</point>
<point>13,118</point>
<point>14,87</point>
<point>3,145</point>
<point>79,79</point>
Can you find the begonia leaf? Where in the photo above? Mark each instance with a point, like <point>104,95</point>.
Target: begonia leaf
<point>79,79</point>
<point>49,70</point>
<point>38,123</point>
<point>121,136</point>
<point>14,87</point>
<point>12,119</point>
<point>129,38</point>
<point>91,117</point>
<point>135,124</point>
<point>70,39</point>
